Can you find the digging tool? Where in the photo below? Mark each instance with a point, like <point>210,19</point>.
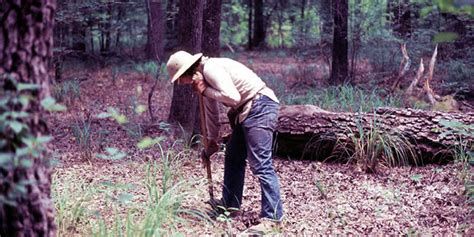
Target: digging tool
<point>206,157</point>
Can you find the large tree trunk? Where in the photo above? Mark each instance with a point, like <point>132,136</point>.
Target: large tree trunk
<point>259,25</point>
<point>26,44</point>
<point>156,30</point>
<point>250,21</point>
<point>340,64</point>
<point>170,25</point>
<point>310,132</point>
<point>211,28</point>
<point>184,103</point>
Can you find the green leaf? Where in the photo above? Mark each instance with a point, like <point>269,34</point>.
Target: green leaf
<point>148,142</point>
<point>26,163</point>
<point>417,177</point>
<point>7,201</point>
<point>140,109</point>
<point>22,152</point>
<point>445,37</point>
<point>5,158</point>
<point>125,198</point>
<point>112,154</point>
<point>103,115</point>
<point>20,188</point>
<point>145,143</point>
<point>44,139</point>
<point>4,101</point>
<point>120,118</point>
<point>49,103</point>
<point>21,114</point>
<point>25,86</point>
<point>16,126</point>
<point>24,100</point>
<point>3,142</point>
<point>425,11</point>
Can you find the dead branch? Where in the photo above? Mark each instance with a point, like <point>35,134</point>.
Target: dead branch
<point>429,92</point>
<point>404,67</point>
<point>415,81</point>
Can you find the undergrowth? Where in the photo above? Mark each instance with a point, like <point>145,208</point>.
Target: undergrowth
<point>157,206</point>
<point>348,98</point>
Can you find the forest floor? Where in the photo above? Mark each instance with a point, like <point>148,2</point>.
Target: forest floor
<point>319,198</point>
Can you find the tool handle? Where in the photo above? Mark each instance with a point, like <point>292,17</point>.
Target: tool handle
<point>205,158</point>
<point>206,161</point>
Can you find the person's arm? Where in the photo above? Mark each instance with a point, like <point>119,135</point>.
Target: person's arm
<point>221,87</point>
<point>211,110</point>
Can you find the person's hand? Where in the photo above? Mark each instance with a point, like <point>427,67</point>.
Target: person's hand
<point>197,76</point>
<point>199,85</point>
<point>212,148</point>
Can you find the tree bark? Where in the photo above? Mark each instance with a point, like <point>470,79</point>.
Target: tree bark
<point>310,132</point>
<point>339,66</point>
<point>25,48</point>
<point>184,103</point>
<point>259,25</point>
<point>156,30</point>
<point>250,23</point>
<point>211,28</point>
<point>170,25</point>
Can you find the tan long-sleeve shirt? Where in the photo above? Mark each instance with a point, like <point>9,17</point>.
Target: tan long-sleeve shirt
<point>233,84</point>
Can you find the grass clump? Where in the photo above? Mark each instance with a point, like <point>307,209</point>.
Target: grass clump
<point>370,145</point>
<point>68,91</point>
<point>71,200</point>
<point>82,132</point>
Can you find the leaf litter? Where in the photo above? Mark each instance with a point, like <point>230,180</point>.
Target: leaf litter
<point>319,198</point>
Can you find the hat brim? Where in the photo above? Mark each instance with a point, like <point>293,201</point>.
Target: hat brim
<point>186,66</point>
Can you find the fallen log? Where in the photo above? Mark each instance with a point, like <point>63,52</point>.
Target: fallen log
<point>306,131</point>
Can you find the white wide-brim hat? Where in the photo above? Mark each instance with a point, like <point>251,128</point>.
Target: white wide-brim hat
<point>179,63</point>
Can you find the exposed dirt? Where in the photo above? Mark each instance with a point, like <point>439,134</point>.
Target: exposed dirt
<point>319,198</point>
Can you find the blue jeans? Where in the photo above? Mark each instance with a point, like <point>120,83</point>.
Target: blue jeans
<point>252,140</point>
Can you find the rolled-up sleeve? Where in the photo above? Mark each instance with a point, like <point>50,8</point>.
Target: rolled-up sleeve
<point>212,118</point>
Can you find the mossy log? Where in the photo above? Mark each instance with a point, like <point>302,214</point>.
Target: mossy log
<point>306,131</point>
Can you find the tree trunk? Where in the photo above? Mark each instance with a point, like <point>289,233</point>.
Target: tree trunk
<point>78,36</point>
<point>184,103</point>
<point>303,5</point>
<point>325,10</point>
<point>400,16</point>
<point>259,25</point>
<point>170,25</point>
<point>310,132</point>
<point>211,28</point>
<point>250,23</point>
<point>339,66</point>
<point>122,7</point>
<point>108,27</point>
<point>156,30</point>
<point>29,212</point>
